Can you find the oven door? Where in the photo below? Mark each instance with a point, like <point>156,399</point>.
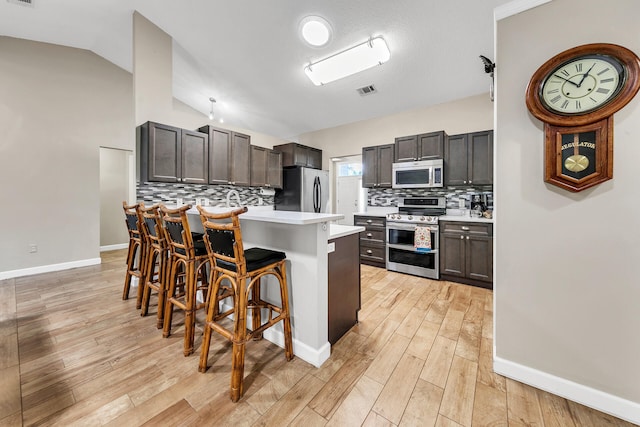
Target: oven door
<point>401,253</point>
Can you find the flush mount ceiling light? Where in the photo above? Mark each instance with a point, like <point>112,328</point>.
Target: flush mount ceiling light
<point>211,110</point>
<point>315,30</point>
<point>350,61</point>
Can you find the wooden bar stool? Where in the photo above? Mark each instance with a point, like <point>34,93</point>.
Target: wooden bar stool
<point>136,253</point>
<point>187,258</point>
<point>157,260</point>
<point>243,269</point>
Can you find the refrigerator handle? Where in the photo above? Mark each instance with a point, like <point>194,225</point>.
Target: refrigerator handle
<point>319,195</point>
<point>316,185</point>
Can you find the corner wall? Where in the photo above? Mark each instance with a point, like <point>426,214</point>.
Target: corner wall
<point>567,292</point>
<point>58,105</point>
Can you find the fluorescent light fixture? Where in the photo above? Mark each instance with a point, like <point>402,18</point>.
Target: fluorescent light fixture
<point>315,30</point>
<point>353,60</point>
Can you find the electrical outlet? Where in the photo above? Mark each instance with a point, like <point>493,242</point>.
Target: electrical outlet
<point>33,248</point>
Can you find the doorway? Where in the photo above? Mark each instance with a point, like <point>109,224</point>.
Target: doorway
<point>116,185</point>
<point>350,196</point>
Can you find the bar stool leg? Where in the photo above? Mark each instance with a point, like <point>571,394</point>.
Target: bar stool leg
<point>239,342</point>
<point>131,258</point>
<point>162,291</point>
<point>190,303</point>
<point>256,314</point>
<point>168,307</point>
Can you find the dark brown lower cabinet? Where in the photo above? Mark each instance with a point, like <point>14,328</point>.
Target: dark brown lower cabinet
<point>373,240</point>
<point>466,253</point>
<point>344,286</point>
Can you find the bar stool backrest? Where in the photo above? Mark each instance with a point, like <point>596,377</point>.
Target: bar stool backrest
<point>223,238</point>
<point>177,231</point>
<point>132,219</point>
<point>152,220</point>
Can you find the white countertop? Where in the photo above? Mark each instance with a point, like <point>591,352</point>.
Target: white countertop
<point>338,230</point>
<point>463,218</point>
<point>262,213</point>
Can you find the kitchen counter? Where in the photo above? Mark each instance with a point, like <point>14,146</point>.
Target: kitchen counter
<point>304,238</point>
<point>263,213</point>
<point>338,230</point>
<point>464,218</point>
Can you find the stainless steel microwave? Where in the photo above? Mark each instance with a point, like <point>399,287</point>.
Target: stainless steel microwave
<point>422,174</point>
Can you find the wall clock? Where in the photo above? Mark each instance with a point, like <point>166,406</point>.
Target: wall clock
<point>575,94</point>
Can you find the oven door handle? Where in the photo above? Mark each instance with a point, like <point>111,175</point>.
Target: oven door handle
<point>411,249</point>
<point>410,227</point>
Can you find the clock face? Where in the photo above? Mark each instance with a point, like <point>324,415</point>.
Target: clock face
<point>582,84</point>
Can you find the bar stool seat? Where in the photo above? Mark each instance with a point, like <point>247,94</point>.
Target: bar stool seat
<point>243,270</point>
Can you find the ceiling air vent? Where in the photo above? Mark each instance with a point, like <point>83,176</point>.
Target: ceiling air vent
<point>22,2</point>
<point>367,90</point>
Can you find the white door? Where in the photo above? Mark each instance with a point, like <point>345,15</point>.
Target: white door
<point>116,178</point>
<point>349,197</point>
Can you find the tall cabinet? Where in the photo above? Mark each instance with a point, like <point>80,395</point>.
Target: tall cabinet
<point>171,154</point>
<point>229,155</point>
<point>468,159</point>
<point>376,166</point>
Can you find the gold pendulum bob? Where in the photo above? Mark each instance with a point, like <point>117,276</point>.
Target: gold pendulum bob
<point>577,162</point>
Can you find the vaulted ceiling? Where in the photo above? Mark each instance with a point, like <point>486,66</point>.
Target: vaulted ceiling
<point>250,57</point>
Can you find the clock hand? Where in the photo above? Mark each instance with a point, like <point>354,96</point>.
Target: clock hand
<point>584,76</point>
<point>567,80</point>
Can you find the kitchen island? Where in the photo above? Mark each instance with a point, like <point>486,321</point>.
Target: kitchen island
<point>304,237</point>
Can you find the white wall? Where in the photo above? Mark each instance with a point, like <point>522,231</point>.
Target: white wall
<point>115,183</point>
<point>58,105</point>
<point>567,292</point>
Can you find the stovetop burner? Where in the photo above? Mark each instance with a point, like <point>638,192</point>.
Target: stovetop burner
<point>423,210</point>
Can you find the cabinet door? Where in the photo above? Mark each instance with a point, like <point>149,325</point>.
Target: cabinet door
<point>300,155</point>
<point>274,169</point>
<point>406,149</point>
<point>479,258</point>
<point>165,157</point>
<point>385,160</point>
<point>258,166</point>
<point>195,152</point>
<point>452,254</point>
<point>219,154</point>
<point>480,169</point>
<point>314,158</point>
<point>431,145</point>
<point>240,157</point>
<point>455,160</point>
<point>369,167</point>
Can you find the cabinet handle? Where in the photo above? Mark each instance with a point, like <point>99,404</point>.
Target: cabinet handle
<point>470,182</point>
<point>467,237</point>
<point>369,235</point>
<point>369,221</point>
<point>464,182</point>
<point>461,237</point>
<point>465,228</point>
<point>369,251</point>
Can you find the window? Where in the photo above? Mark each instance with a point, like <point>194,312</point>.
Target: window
<point>350,169</point>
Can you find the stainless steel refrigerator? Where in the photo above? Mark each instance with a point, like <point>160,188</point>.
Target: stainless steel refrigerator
<point>304,190</point>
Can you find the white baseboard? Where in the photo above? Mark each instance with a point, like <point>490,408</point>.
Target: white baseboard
<point>114,247</point>
<point>48,268</point>
<point>596,399</point>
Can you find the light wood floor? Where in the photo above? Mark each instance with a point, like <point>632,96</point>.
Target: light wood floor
<point>74,353</point>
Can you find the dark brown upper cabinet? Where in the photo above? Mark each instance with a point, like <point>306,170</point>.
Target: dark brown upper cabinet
<point>171,154</point>
<point>266,167</point>
<point>468,159</point>
<point>376,166</point>
<point>229,156</point>
<point>425,146</point>
<point>299,155</point>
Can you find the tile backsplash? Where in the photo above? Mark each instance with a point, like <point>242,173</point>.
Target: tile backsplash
<point>160,192</point>
<point>388,197</point>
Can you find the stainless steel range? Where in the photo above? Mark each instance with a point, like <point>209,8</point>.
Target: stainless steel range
<point>402,254</point>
